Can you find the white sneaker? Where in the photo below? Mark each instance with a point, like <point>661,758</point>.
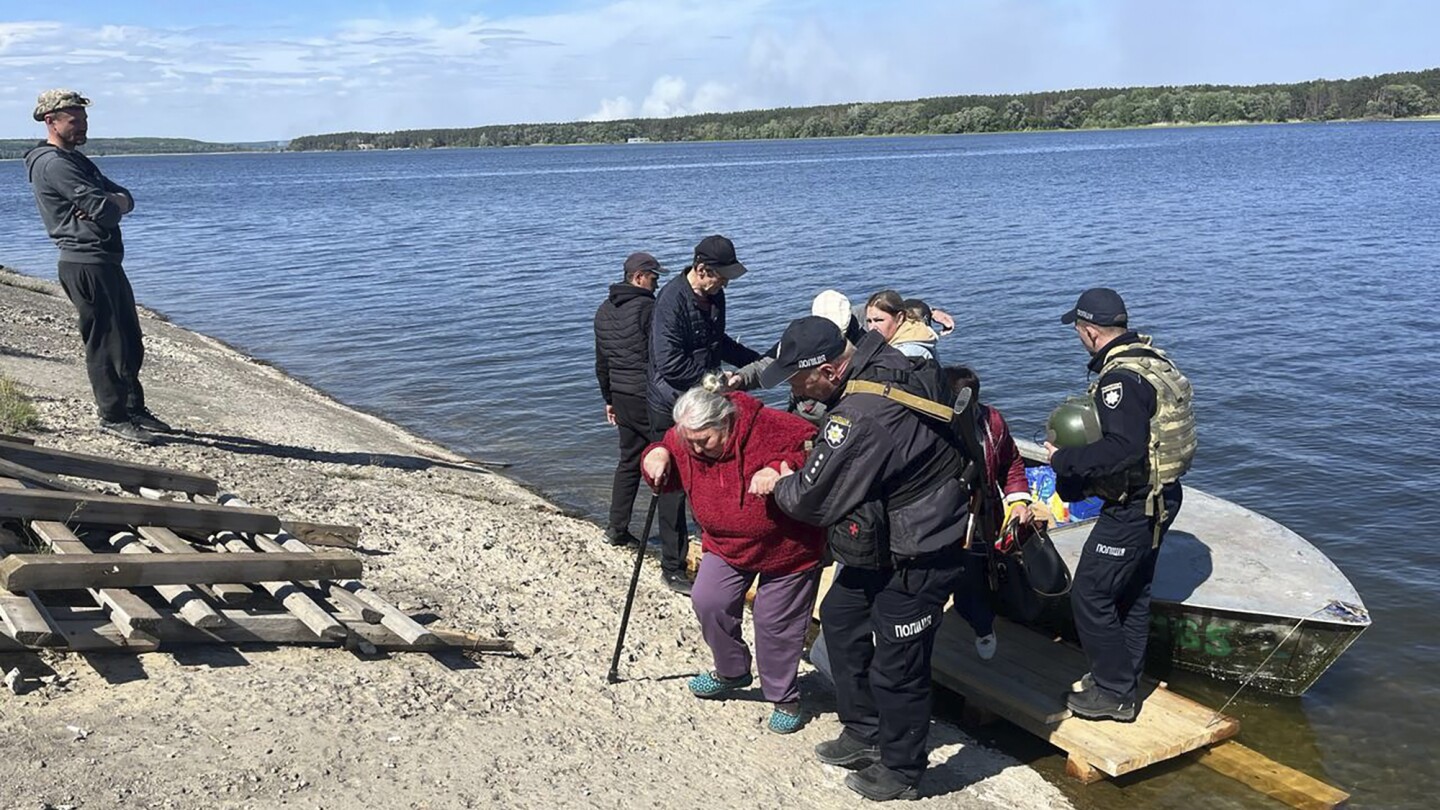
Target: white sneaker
<point>985,647</point>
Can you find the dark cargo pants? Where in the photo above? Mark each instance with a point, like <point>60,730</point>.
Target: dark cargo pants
<point>1110,596</point>
<point>882,682</point>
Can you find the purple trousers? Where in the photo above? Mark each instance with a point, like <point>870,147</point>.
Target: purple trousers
<point>782,616</point>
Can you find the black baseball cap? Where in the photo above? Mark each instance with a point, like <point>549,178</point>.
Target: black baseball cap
<point>639,261</point>
<point>1101,306</point>
<point>718,253</point>
<point>808,343</point>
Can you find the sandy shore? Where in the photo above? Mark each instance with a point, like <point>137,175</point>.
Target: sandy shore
<point>322,728</point>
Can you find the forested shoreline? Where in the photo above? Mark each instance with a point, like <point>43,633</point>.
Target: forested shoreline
<point>11,148</point>
<point>1386,96</point>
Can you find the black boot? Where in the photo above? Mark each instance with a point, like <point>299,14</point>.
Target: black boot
<point>677,582</point>
<point>847,752</point>
<point>880,784</point>
<point>1098,704</point>
<point>145,420</point>
<point>129,431</point>
<point>620,537</point>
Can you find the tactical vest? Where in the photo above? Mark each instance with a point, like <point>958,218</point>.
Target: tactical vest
<point>1172,427</point>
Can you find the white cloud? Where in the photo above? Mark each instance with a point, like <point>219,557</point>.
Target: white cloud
<point>626,58</point>
<point>669,96</point>
<point>613,109</point>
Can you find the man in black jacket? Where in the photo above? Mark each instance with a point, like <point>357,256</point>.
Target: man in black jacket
<point>622,349</point>
<point>1135,469</point>
<point>81,209</point>
<point>884,478</point>
<point>687,339</point>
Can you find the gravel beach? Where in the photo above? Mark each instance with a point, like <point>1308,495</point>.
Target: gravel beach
<point>214,727</point>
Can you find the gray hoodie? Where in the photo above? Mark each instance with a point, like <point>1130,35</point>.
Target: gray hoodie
<point>67,184</point>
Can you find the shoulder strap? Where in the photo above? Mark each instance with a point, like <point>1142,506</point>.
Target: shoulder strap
<point>928,407</point>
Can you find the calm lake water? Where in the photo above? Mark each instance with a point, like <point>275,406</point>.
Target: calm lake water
<point>1291,270</point>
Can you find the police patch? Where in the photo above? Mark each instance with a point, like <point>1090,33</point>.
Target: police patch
<point>1111,394</point>
<point>837,430</point>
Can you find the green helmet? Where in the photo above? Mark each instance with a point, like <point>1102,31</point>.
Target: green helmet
<point>1074,423</point>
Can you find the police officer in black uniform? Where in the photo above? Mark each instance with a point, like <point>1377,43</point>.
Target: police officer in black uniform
<point>1111,592</point>
<point>884,480</point>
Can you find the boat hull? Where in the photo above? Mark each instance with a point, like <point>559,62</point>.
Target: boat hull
<point>1281,656</point>
<point>1236,595</point>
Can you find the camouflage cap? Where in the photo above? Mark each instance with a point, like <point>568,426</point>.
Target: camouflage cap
<point>58,99</point>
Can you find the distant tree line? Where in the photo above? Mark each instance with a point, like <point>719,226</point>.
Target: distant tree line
<point>17,147</point>
<point>1392,95</point>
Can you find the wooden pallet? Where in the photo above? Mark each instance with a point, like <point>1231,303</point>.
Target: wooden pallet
<point>1027,681</point>
<point>85,571</point>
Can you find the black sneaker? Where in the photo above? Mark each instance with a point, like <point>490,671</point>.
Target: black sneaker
<point>1097,704</point>
<point>677,582</point>
<point>880,784</point>
<point>129,431</point>
<point>621,537</point>
<point>847,752</point>
<point>145,420</point>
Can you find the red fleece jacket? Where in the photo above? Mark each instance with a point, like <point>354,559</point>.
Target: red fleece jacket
<point>746,531</point>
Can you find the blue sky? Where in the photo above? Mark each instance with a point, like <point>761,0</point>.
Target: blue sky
<point>266,69</point>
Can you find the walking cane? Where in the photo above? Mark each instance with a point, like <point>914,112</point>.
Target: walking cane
<point>614,676</point>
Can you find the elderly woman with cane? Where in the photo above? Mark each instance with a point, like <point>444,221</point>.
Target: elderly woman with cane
<point>719,441</point>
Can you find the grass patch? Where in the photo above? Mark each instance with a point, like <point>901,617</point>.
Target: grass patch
<point>17,413</point>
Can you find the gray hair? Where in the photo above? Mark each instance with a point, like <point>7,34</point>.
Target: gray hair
<point>701,409</point>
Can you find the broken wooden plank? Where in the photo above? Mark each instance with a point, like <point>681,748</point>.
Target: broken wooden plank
<point>48,572</point>
<point>23,621</point>
<point>342,598</point>
<point>162,539</point>
<point>129,612</point>
<point>315,617</point>
<point>114,510</point>
<point>1270,777</point>
<point>186,600</point>
<point>22,615</point>
<point>20,472</point>
<point>331,535</point>
<point>95,633</point>
<point>469,641</point>
<point>390,616</point>
<point>88,630</point>
<point>99,468</point>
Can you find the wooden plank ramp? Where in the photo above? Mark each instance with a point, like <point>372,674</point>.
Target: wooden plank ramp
<point>1027,681</point>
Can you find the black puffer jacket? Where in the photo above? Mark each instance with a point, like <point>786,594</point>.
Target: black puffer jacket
<point>622,340</point>
<point>687,341</point>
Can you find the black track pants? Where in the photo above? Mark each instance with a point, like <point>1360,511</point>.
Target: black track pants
<point>110,330</point>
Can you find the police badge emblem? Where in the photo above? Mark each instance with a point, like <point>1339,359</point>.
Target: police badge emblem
<point>1111,394</point>
<point>836,431</point>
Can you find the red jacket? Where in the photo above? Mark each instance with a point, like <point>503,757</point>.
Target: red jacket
<point>1003,463</point>
<point>749,532</point>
